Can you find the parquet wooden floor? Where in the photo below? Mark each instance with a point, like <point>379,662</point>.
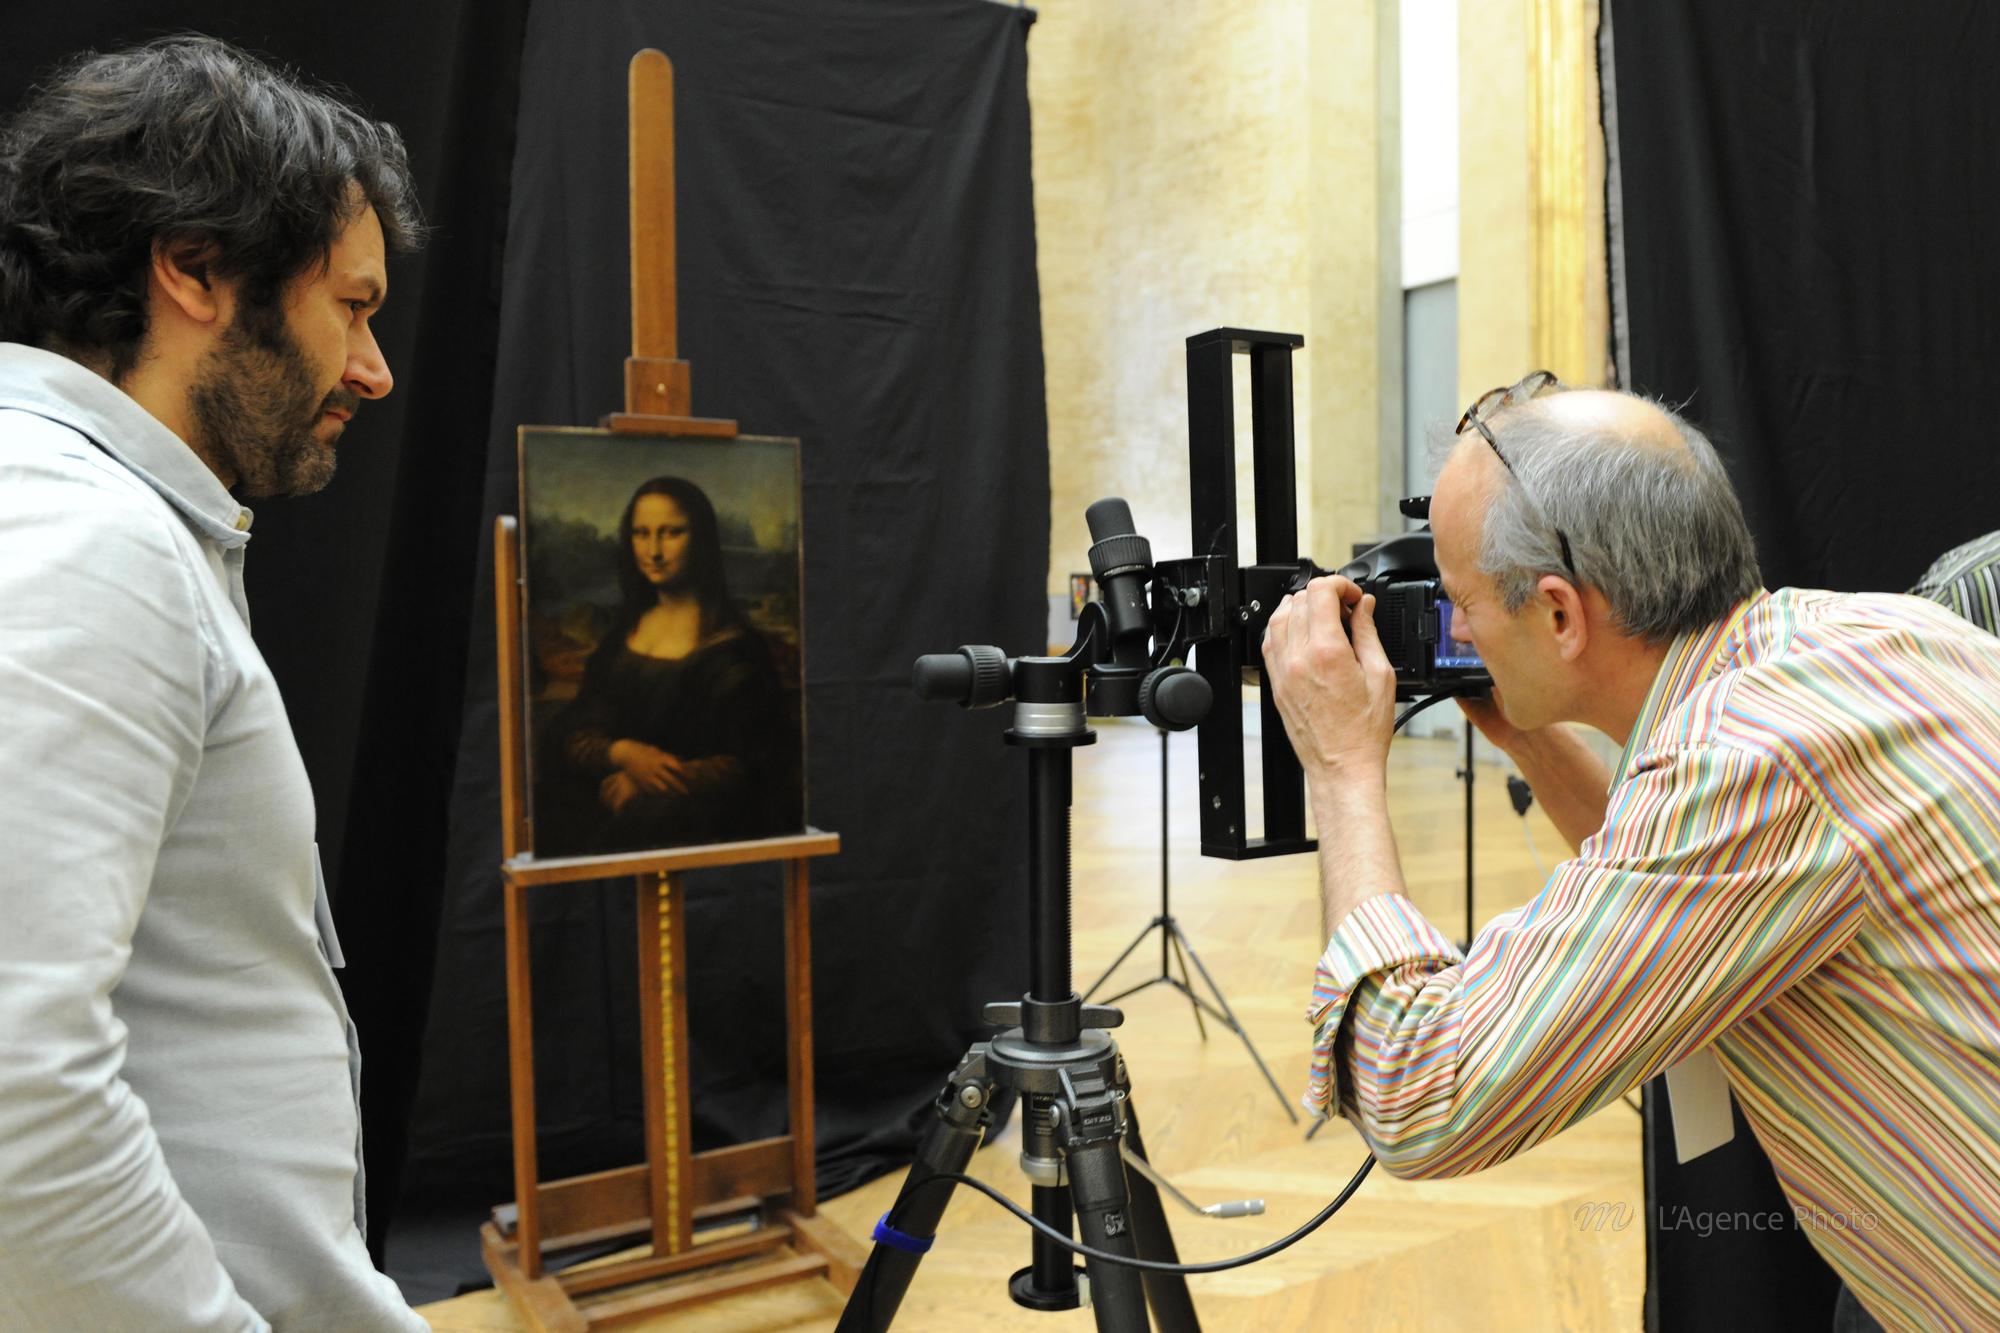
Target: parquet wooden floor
<point>1506,1249</point>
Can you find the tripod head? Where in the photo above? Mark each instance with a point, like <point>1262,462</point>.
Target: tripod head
<point>1111,670</point>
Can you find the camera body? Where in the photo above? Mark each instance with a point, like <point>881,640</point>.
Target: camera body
<point>1413,619</point>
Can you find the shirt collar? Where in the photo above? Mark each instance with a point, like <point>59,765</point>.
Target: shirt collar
<point>1695,657</point>
<point>67,392</point>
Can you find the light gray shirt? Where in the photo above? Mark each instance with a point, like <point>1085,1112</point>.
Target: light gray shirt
<point>179,1134</point>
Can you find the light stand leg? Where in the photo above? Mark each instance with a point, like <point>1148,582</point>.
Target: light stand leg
<point>1174,942</point>
<point>1173,933</point>
<point>1158,922</point>
<point>1136,942</point>
<point>1229,1021</point>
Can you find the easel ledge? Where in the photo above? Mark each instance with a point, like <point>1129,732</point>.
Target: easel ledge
<point>528,870</point>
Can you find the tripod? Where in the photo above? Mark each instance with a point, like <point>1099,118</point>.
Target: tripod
<point>1173,937</point>
<point>1055,1053</point>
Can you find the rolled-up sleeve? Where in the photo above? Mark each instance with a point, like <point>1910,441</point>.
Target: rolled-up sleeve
<point>1385,936</point>
<point>104,689</point>
<point>1715,884</point>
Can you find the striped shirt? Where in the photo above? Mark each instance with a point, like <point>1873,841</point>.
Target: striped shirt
<point>1967,579</point>
<point>1799,869</point>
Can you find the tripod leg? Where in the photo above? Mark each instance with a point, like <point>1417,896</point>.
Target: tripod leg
<point>1104,1216</point>
<point>946,1148</point>
<point>1167,1293</point>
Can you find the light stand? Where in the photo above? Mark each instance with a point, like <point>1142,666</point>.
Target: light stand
<point>1465,775</point>
<point>1173,938</point>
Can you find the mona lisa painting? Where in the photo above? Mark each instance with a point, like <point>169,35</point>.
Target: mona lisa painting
<point>662,635</point>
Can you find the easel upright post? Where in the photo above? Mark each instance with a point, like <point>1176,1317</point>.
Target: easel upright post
<point>659,391</point>
<point>799,1043</point>
<point>656,380</point>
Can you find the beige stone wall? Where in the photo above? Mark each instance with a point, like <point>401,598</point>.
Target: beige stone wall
<point>1233,162</point>
<point>1531,195</point>
<point>1208,163</point>
<point>1496,280</point>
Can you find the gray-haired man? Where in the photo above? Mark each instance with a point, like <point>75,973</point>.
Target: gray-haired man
<point>1791,866</point>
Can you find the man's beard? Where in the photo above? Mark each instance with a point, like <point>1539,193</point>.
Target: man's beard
<point>255,408</point>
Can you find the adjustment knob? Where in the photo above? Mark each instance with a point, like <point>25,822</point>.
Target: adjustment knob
<point>989,675</point>
<point>1175,698</point>
<point>976,676</point>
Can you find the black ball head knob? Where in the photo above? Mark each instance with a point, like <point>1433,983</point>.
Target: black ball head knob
<point>1116,548</point>
<point>975,676</point>
<point>1175,698</point>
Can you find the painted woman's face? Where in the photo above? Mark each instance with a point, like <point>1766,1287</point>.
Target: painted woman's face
<point>660,540</point>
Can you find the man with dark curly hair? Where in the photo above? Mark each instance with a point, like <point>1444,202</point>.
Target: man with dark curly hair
<point>191,246</point>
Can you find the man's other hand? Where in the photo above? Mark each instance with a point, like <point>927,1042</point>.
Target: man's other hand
<point>1490,716</point>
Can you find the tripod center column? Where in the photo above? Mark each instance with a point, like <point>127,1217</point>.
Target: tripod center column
<point>1048,869</point>
<point>1049,721</point>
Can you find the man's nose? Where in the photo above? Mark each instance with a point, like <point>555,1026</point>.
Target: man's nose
<point>367,369</point>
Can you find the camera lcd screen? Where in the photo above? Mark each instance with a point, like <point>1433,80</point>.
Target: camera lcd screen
<point>1450,652</point>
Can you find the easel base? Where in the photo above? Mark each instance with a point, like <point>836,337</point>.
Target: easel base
<point>606,1293</point>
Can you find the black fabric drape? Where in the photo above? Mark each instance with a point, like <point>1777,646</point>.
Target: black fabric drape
<point>359,594</point>
<point>856,245</point>
<point>1809,197</point>
<point>1808,194</point>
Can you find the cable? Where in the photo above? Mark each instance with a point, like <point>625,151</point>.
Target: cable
<point>1533,850</point>
<point>1150,1265</point>
<point>1161,658</point>
<point>1419,706</point>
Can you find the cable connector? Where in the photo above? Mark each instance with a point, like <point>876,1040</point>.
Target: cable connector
<point>1520,793</point>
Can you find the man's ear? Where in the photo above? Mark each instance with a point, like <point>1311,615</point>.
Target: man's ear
<point>182,275</point>
<point>1564,605</point>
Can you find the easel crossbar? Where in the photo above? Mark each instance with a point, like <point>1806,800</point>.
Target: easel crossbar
<point>527,870</point>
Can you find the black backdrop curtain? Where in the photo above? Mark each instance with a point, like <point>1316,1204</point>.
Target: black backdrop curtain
<point>1809,197</point>
<point>856,244</point>
<point>858,270</point>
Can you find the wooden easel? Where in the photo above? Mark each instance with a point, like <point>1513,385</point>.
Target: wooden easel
<point>657,1202</point>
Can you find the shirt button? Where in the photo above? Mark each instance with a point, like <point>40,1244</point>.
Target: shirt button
<point>243,520</point>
